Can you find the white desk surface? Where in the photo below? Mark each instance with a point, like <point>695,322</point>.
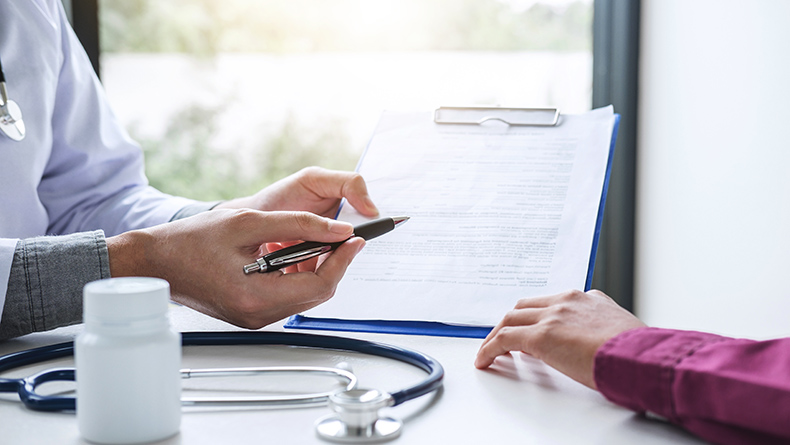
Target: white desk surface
<point>520,400</point>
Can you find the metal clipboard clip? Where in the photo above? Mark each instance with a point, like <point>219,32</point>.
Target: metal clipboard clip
<point>523,117</point>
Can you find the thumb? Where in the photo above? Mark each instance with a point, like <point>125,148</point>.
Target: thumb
<point>296,226</point>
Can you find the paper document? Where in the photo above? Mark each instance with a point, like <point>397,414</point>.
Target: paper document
<point>498,213</point>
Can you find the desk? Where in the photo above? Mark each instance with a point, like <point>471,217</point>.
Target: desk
<point>520,399</point>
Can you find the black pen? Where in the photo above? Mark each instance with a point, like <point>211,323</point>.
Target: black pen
<point>310,249</point>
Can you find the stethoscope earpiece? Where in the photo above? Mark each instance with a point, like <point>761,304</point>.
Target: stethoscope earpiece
<point>10,115</point>
<point>11,121</point>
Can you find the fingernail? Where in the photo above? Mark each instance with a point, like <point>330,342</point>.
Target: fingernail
<point>340,227</point>
<point>361,245</point>
<point>371,206</point>
<point>357,243</point>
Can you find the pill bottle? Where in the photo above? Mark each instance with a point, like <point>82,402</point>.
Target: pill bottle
<point>127,363</point>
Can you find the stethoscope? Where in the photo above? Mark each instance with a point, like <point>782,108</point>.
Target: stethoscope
<point>10,115</point>
<point>355,417</point>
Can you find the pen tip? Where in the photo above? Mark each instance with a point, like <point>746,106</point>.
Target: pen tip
<point>398,220</point>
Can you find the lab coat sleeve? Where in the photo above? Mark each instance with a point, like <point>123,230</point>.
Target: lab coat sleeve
<point>725,390</point>
<point>46,280</point>
<point>94,178</point>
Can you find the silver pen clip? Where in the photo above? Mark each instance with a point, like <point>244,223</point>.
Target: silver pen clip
<point>260,264</point>
<point>299,256</point>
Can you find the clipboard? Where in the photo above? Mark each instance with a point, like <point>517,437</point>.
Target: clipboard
<point>530,117</point>
<point>517,117</point>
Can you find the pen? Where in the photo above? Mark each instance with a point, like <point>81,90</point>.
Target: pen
<point>304,251</point>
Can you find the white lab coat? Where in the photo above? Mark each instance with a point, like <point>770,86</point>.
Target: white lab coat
<point>77,169</point>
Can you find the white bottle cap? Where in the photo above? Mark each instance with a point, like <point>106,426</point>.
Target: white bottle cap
<point>127,299</point>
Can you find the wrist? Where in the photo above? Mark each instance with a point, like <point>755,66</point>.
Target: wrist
<point>127,253</point>
<point>247,202</point>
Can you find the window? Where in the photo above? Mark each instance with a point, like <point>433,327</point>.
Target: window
<point>227,97</point>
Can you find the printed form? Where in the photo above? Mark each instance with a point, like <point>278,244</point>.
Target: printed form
<point>498,213</point>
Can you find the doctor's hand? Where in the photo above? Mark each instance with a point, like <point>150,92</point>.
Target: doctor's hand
<point>563,330</point>
<point>312,189</point>
<point>202,258</point>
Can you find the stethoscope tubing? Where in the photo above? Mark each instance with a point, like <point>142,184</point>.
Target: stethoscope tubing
<point>25,387</point>
<point>31,357</point>
<point>414,358</point>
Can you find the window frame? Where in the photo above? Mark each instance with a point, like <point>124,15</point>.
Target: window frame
<point>615,81</point>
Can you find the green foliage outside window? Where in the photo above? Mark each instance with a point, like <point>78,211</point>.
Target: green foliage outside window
<point>185,161</point>
<point>207,27</point>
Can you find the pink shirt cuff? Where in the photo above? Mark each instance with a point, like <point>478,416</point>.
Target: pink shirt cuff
<point>636,369</point>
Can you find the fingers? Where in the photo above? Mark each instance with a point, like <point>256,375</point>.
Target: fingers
<point>508,338</point>
<point>334,267</point>
<point>544,301</point>
<point>222,241</point>
<point>599,294</point>
<point>305,266</point>
<point>289,226</point>
<point>527,313</point>
<point>265,298</point>
<point>309,288</point>
<point>516,317</point>
<point>340,184</point>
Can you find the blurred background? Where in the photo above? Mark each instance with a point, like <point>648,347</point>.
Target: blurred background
<point>227,97</point>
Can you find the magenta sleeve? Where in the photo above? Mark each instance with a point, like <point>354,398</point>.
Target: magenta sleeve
<point>722,389</point>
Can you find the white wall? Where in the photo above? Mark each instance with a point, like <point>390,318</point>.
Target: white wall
<point>713,197</point>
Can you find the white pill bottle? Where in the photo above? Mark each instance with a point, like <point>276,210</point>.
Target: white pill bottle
<point>128,360</point>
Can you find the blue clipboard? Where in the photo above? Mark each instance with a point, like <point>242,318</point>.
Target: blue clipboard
<point>438,329</point>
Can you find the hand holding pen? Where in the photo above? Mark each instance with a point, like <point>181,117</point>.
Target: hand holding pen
<point>304,251</point>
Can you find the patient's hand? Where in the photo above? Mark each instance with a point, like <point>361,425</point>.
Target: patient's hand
<point>563,330</point>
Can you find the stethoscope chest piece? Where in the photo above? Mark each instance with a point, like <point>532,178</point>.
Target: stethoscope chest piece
<point>356,418</point>
<point>11,121</point>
